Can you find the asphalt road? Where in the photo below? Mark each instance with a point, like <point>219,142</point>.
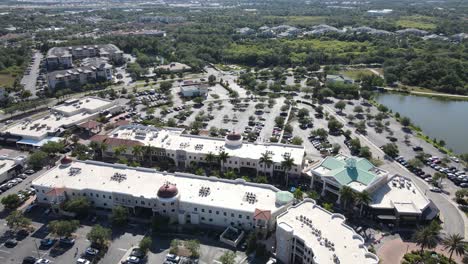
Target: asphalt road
<point>29,80</point>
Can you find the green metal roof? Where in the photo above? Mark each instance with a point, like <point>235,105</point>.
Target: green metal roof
<point>344,175</point>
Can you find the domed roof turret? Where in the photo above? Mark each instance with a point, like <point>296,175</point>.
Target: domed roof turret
<point>66,161</point>
<point>168,191</point>
<point>233,136</point>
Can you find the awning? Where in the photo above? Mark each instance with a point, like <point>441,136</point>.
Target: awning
<point>38,143</point>
<point>386,217</point>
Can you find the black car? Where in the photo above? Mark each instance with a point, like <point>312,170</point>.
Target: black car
<point>418,148</point>
<point>137,252</point>
<point>11,243</point>
<point>29,260</point>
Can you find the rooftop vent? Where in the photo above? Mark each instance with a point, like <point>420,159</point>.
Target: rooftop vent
<point>74,171</point>
<point>250,197</point>
<point>119,177</point>
<point>204,191</point>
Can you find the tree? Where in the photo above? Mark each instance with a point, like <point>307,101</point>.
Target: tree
<point>99,235</point>
<point>265,161</point>
<point>296,141</point>
<point>165,86</point>
<point>38,159</point>
<point>78,205</point>
<point>193,246</point>
<point>454,243</point>
<point>355,145</point>
<point>298,194</point>
<point>210,158</point>
<point>365,152</point>
<point>211,79</point>
<point>415,163</point>
<point>52,147</point>
<point>119,150</point>
<point>426,237</point>
<point>361,127</point>
<point>222,158</point>
<point>347,196</point>
<point>137,152</point>
<point>340,105</point>
<point>11,201</point>
<point>438,177</point>
<point>405,121</point>
<point>119,216</point>
<point>358,109</point>
<point>16,220</point>
<point>228,257</point>
<point>287,164</point>
<point>334,125</point>
<point>145,244</point>
<point>390,150</point>
<point>363,199</point>
<point>328,207</point>
<point>63,228</point>
<point>319,132</point>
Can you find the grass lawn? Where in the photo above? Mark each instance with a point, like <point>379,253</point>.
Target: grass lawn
<point>306,20</point>
<point>356,74</point>
<point>420,22</point>
<point>6,80</point>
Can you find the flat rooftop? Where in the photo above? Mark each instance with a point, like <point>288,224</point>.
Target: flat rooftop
<point>89,104</point>
<point>66,51</point>
<point>60,116</point>
<point>173,139</point>
<point>402,194</point>
<point>348,246</point>
<point>143,182</point>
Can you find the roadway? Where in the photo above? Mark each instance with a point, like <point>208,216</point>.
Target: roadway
<point>29,80</point>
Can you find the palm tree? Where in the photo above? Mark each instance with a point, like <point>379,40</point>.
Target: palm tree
<point>137,151</point>
<point>287,164</point>
<point>222,157</point>
<point>265,160</point>
<point>103,147</point>
<point>363,198</point>
<point>426,237</point>
<point>119,150</point>
<point>210,158</point>
<point>147,152</point>
<point>346,195</point>
<point>454,243</point>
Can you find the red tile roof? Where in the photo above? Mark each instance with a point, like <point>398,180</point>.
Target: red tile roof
<point>91,124</point>
<point>122,142</point>
<point>98,138</point>
<point>262,214</point>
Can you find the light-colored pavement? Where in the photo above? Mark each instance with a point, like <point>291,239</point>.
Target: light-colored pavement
<point>29,80</point>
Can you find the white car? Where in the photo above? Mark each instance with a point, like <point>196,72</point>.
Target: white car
<point>435,189</point>
<point>83,261</point>
<point>455,159</point>
<point>42,261</point>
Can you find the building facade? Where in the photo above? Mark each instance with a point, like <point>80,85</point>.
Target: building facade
<point>184,198</point>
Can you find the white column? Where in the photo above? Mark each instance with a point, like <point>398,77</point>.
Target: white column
<point>323,189</point>
<point>312,181</point>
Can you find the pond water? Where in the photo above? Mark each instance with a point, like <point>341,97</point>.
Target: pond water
<point>438,118</point>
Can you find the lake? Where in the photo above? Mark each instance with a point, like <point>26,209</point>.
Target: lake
<point>440,119</point>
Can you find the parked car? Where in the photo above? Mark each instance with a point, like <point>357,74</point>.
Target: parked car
<point>82,261</point>
<point>11,243</point>
<point>91,251</point>
<point>67,241</point>
<point>133,260</point>
<point>29,260</point>
<point>435,189</point>
<point>172,258</point>
<point>29,171</point>
<point>42,261</point>
<point>48,242</point>
<point>137,252</point>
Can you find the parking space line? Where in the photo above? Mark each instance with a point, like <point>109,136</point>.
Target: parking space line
<point>122,249</point>
<point>4,251</point>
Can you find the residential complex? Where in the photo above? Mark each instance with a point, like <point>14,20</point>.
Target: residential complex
<point>35,133</point>
<point>394,198</point>
<point>181,149</point>
<point>307,233</point>
<point>95,64</point>
<point>63,57</point>
<point>184,198</point>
